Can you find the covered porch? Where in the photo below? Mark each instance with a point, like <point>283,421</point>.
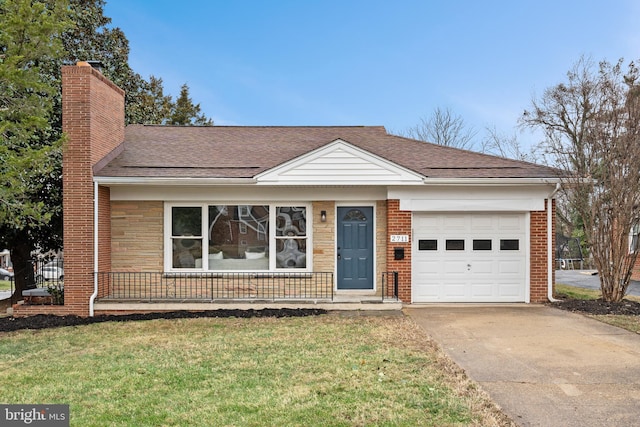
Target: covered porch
<point>169,291</point>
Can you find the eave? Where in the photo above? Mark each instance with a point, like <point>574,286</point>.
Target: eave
<point>113,180</point>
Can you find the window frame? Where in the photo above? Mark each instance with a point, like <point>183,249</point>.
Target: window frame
<point>169,237</point>
<point>271,240</point>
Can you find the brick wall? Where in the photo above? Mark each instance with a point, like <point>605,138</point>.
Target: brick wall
<point>381,243</point>
<point>538,254</point>
<point>137,236</point>
<point>93,119</point>
<point>635,274</point>
<point>399,222</point>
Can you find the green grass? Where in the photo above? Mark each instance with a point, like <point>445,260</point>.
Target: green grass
<point>327,370</point>
<point>630,323</point>
<point>575,292</point>
<point>5,285</point>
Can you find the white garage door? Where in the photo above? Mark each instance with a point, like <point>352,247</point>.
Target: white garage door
<point>479,257</point>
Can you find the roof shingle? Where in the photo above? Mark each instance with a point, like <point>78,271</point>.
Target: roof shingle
<point>245,151</point>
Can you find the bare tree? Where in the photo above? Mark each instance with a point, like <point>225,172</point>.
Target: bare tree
<point>443,127</point>
<point>592,132</point>
<point>508,146</point>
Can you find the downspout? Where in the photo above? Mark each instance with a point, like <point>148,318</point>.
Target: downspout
<point>550,249</point>
<point>95,249</point>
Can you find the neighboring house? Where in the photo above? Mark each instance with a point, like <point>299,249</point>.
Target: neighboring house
<point>165,217</point>
<point>634,244</point>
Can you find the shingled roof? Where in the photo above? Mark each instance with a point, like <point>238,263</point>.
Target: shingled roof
<point>245,151</point>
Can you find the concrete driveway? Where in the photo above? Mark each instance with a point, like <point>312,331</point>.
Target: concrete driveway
<point>543,366</point>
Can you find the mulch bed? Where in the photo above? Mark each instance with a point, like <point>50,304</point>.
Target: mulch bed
<point>42,321</point>
<point>625,307</point>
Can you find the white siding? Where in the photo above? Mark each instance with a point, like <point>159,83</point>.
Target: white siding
<point>339,163</point>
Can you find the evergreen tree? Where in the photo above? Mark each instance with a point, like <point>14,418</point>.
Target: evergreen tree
<point>37,38</point>
<point>30,146</point>
<point>186,113</point>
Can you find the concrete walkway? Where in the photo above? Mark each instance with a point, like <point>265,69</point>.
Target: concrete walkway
<point>543,366</point>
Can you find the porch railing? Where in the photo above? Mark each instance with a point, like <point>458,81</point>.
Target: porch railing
<point>157,286</point>
<point>44,273</point>
<point>390,285</point>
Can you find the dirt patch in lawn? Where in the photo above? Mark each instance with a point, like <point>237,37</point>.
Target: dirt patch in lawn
<point>42,321</point>
<point>599,306</point>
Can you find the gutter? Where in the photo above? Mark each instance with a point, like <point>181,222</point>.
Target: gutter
<point>95,249</point>
<point>490,181</point>
<point>116,180</point>
<point>550,249</point>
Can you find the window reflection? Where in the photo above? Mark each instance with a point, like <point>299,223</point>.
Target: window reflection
<point>291,242</point>
<point>238,237</point>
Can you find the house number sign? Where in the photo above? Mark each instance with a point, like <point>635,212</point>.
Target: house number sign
<point>399,238</point>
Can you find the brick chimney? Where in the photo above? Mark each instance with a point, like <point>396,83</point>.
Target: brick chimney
<point>93,120</point>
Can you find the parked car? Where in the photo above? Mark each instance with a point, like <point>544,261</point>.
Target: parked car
<point>6,274</point>
<point>49,272</point>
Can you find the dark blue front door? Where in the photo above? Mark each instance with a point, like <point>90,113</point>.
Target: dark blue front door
<point>355,248</point>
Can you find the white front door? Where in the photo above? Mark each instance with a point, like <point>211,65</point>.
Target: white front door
<point>469,257</point>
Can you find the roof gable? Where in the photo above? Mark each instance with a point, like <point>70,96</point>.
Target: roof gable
<point>339,163</point>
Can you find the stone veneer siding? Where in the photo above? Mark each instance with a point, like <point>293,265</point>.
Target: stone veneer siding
<point>381,246</point>
<point>137,236</point>
<point>324,242</point>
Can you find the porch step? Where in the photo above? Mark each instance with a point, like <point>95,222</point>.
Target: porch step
<point>335,305</point>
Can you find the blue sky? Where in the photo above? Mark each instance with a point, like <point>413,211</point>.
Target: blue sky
<point>370,62</point>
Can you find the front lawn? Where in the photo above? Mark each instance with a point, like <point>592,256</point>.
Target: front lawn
<point>619,313</point>
<point>327,370</point>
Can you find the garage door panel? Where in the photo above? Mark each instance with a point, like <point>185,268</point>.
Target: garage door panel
<point>431,291</point>
<point>485,290</point>
<point>428,268</point>
<point>511,223</point>
<point>455,223</point>
<point>478,270</point>
<point>428,223</point>
<point>483,266</point>
<point>510,267</point>
<point>512,290</point>
<point>455,267</point>
<point>482,223</point>
<point>456,290</point>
